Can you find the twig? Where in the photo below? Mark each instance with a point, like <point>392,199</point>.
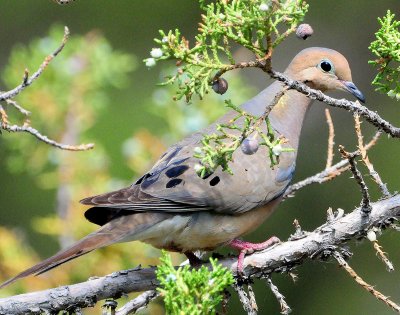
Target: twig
<point>27,81</point>
<point>137,303</point>
<point>371,235</point>
<point>366,199</point>
<point>374,174</point>
<point>252,298</point>
<point>22,110</point>
<point>3,118</point>
<point>383,256</point>
<point>285,308</point>
<point>355,107</point>
<point>265,114</point>
<point>282,257</point>
<point>244,299</point>
<point>328,174</point>
<point>365,285</point>
<point>45,139</point>
<point>331,137</point>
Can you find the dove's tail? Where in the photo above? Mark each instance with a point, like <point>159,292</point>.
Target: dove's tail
<point>103,237</point>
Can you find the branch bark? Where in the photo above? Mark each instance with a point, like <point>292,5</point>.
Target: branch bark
<point>283,257</point>
<point>355,107</point>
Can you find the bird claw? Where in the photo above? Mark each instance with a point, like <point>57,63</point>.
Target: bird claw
<point>249,248</point>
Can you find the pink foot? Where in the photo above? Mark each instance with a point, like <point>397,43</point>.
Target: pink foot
<point>249,248</point>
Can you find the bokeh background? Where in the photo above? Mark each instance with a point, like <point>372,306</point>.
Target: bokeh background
<point>98,90</point>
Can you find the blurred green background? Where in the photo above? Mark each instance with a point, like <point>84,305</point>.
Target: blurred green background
<point>132,126</point>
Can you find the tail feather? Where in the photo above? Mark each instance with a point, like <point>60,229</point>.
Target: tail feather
<point>82,247</point>
<point>119,229</point>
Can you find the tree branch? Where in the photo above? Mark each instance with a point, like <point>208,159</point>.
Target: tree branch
<point>45,139</point>
<point>283,257</point>
<point>355,107</point>
<point>28,80</point>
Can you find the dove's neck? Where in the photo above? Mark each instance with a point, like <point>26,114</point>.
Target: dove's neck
<point>287,115</point>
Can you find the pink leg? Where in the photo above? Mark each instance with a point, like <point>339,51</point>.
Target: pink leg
<point>249,248</point>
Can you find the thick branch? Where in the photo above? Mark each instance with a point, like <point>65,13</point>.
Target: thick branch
<point>280,258</point>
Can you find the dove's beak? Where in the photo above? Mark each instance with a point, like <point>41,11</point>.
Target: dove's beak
<point>352,89</point>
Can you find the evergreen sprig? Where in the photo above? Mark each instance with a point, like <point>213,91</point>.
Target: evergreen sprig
<point>195,292</point>
<point>218,148</point>
<point>258,25</point>
<point>387,48</point>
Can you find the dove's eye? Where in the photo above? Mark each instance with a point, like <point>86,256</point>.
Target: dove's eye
<point>326,66</point>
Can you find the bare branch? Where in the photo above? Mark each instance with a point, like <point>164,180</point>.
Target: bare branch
<point>366,199</point>
<point>365,285</point>
<point>137,303</point>
<point>331,137</point>
<point>371,235</point>
<point>374,174</point>
<point>329,173</point>
<point>355,107</point>
<point>285,308</point>
<point>27,81</point>
<point>282,257</point>
<point>247,300</point>
<point>45,139</point>
<point>22,110</point>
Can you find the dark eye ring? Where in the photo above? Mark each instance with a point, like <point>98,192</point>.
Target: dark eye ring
<point>326,66</point>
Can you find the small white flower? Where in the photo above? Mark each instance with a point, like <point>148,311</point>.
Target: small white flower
<point>210,282</point>
<point>165,39</point>
<point>263,7</point>
<point>277,150</point>
<point>198,150</point>
<point>156,52</point>
<point>221,16</point>
<point>198,168</point>
<point>150,62</point>
<point>371,235</point>
<point>170,277</point>
<point>391,93</point>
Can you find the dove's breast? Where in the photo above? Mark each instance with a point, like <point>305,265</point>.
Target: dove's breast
<point>204,230</point>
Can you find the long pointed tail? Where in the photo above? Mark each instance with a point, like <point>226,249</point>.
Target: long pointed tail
<point>118,229</point>
<point>82,247</point>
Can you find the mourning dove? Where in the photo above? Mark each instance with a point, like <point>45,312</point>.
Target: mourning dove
<point>172,208</point>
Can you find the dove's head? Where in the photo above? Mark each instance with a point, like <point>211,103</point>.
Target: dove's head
<point>323,69</point>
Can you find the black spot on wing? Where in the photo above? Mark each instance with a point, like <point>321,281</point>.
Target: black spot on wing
<point>214,181</point>
<point>141,179</point>
<point>166,161</point>
<point>177,162</point>
<point>174,182</point>
<point>101,216</point>
<point>168,157</point>
<point>176,171</point>
<point>149,179</point>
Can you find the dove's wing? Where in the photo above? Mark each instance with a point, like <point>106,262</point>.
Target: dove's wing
<point>172,184</point>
